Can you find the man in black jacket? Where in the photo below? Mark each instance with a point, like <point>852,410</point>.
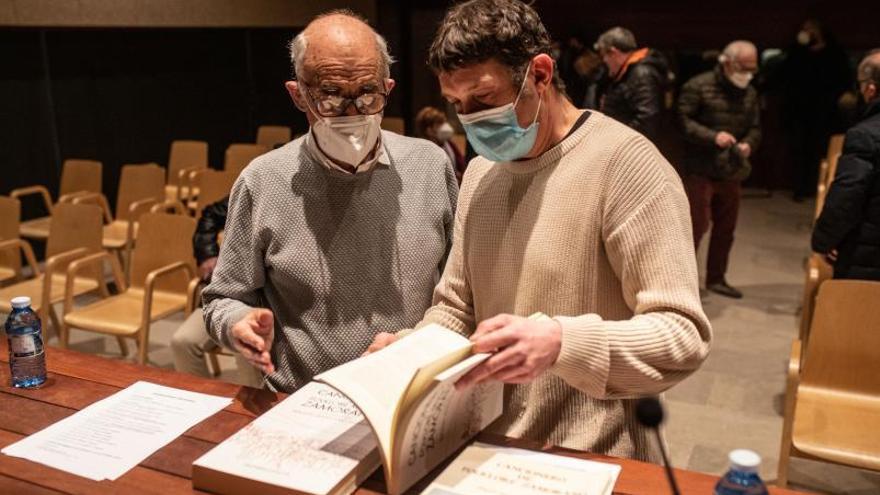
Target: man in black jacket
<point>637,80</point>
<point>721,120</point>
<point>848,230</point>
<point>191,341</point>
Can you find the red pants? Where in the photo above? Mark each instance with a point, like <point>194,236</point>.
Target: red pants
<point>716,201</point>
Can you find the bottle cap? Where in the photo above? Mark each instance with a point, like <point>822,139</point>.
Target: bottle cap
<point>744,460</point>
<point>21,302</point>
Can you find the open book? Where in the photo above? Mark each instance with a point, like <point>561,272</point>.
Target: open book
<point>313,442</point>
<point>407,393</point>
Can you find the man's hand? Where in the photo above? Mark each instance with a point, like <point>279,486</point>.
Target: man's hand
<point>252,337</point>
<point>724,140</point>
<point>381,341</point>
<point>523,349</point>
<point>745,150</point>
<point>207,268</point>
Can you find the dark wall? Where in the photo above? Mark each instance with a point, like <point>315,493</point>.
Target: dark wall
<point>121,96</point>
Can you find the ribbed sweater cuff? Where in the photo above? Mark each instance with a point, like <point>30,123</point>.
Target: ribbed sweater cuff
<point>584,360</point>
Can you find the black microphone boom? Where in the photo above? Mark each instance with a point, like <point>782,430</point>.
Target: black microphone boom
<point>649,413</point>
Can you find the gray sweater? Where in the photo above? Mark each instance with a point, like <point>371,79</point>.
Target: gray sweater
<point>337,257</point>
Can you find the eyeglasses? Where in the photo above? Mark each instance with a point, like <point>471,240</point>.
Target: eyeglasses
<point>332,105</point>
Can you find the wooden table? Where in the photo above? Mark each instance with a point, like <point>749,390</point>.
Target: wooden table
<point>77,380</point>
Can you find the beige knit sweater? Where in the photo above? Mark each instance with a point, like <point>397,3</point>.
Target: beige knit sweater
<point>595,232</point>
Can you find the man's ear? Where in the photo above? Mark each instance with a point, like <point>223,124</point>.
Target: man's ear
<point>542,68</point>
<point>296,96</point>
<point>389,85</point>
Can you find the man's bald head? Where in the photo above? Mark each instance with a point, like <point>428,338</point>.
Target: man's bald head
<point>739,50</point>
<point>342,34</point>
<point>869,75</point>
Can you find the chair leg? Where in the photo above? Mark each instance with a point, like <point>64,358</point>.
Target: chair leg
<point>63,334</point>
<point>214,364</point>
<point>123,346</point>
<point>56,325</point>
<point>143,344</point>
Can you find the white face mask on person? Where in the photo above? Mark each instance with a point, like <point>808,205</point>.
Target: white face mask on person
<point>740,79</point>
<point>348,139</point>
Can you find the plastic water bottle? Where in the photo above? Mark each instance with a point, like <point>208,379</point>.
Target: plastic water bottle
<point>742,477</point>
<point>27,359</point>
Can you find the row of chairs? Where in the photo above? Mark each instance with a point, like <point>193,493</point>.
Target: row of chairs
<point>162,279</point>
<point>832,399</point>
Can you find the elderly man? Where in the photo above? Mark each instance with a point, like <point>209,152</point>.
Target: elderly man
<point>337,235</point>
<point>721,120</point>
<point>636,81</point>
<point>571,214</point>
<point>848,229</point>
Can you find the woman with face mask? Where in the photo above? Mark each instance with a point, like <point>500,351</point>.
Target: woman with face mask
<point>431,124</point>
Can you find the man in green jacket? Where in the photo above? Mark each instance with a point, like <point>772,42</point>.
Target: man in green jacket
<point>721,119</point>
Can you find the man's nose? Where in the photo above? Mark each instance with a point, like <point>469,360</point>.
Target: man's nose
<point>351,109</point>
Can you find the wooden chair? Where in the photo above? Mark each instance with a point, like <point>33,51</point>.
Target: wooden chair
<point>818,271</point>
<point>832,403</point>
<point>213,186</point>
<point>460,142</point>
<point>10,261</point>
<point>239,155</point>
<point>835,146</point>
<point>394,124</point>
<point>77,177</point>
<point>75,232</point>
<point>163,283</point>
<point>184,157</point>
<point>271,136</point>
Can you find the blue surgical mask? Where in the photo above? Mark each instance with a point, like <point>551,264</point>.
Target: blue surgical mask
<point>495,133</point>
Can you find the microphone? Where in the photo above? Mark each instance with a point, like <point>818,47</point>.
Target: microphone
<point>649,413</point>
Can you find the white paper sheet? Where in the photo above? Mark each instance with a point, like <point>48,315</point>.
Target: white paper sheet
<point>115,434</point>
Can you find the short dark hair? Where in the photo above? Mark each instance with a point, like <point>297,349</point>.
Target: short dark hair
<point>508,31</point>
<point>617,37</point>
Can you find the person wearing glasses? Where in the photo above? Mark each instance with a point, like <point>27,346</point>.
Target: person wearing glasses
<point>720,116</point>
<point>847,231</point>
<point>340,234</point>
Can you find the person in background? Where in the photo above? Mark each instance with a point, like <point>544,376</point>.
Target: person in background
<point>340,234</point>
<point>637,79</point>
<point>568,213</point>
<point>847,231</point>
<point>191,341</point>
<point>432,124</point>
<point>720,116</point>
<point>814,73</point>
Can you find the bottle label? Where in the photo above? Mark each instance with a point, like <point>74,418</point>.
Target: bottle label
<point>25,345</point>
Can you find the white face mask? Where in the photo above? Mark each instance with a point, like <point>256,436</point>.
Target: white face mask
<point>348,139</point>
<point>804,38</point>
<point>445,132</point>
<point>741,79</point>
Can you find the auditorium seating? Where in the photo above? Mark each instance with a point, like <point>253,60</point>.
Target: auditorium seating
<point>272,136</point>
<point>239,155</point>
<point>162,283</point>
<point>75,232</point>
<point>213,185</point>
<point>832,404</point>
<point>185,156</point>
<point>10,260</point>
<point>77,177</point>
<point>394,124</point>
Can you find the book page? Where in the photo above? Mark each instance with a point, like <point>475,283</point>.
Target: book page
<point>310,442</point>
<point>377,382</point>
<point>494,470</point>
<point>443,421</point>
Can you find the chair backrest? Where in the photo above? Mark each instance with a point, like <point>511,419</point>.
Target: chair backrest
<point>75,226</point>
<point>10,218</point>
<point>394,124</point>
<point>835,146</point>
<point>163,239</point>
<point>240,154</point>
<point>213,186</point>
<point>139,182</point>
<point>273,135</point>
<point>186,154</point>
<point>843,351</point>
<point>81,175</point>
